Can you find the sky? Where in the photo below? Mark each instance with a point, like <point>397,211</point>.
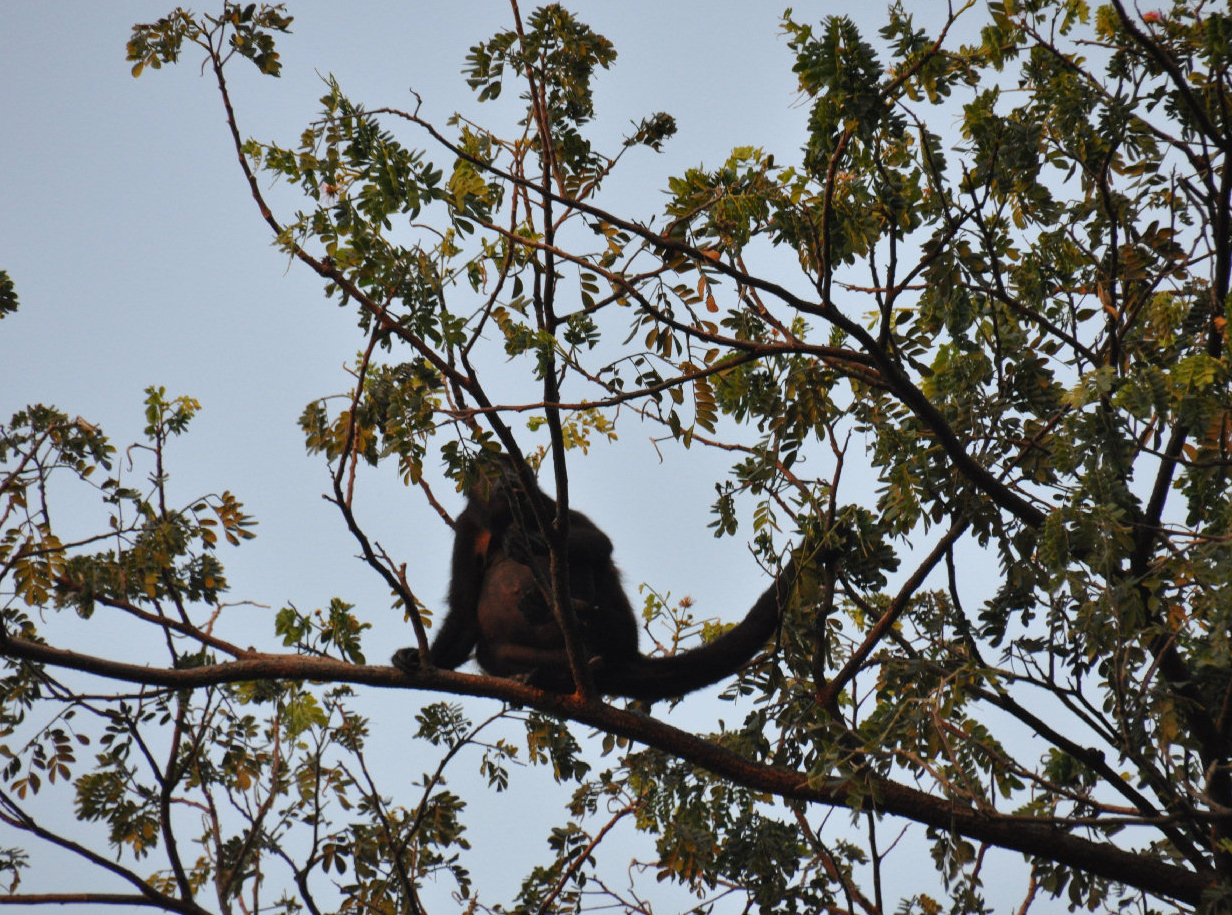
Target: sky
<point>140,260</point>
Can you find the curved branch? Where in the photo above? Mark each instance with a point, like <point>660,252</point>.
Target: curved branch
<point>146,895</point>
<point>1046,840</point>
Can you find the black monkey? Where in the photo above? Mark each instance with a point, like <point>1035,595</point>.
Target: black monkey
<point>499,604</point>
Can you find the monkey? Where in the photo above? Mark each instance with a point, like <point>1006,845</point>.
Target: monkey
<point>500,606</point>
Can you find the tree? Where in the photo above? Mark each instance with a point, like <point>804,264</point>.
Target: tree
<point>1022,324</point>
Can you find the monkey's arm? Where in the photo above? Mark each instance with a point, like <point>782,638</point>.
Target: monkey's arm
<point>544,668</point>
<point>451,647</point>
<point>453,644</point>
<point>460,630</point>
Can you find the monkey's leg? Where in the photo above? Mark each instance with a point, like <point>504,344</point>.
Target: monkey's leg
<point>510,660</point>
<point>546,668</point>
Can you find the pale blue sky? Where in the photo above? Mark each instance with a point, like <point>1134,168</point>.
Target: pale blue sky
<point>140,259</point>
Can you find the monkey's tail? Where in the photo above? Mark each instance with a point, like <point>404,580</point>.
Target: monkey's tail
<point>650,679</point>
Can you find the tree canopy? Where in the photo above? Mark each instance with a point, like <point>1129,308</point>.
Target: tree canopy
<point>972,341</point>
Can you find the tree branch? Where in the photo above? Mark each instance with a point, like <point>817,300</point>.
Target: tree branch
<point>1044,840</point>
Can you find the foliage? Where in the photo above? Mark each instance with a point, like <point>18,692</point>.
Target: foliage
<point>1023,324</point>
<point>8,294</point>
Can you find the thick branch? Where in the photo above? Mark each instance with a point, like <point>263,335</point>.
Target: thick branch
<point>124,899</point>
<point>1045,840</point>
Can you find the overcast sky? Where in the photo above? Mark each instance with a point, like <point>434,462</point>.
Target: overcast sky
<point>140,259</point>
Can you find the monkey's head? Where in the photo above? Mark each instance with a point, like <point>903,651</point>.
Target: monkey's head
<point>496,486</point>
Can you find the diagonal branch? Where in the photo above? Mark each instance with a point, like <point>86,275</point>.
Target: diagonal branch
<point>828,697</point>
<point>1042,838</point>
<point>14,815</point>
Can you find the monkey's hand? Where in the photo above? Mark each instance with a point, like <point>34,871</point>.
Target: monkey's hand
<point>407,660</point>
